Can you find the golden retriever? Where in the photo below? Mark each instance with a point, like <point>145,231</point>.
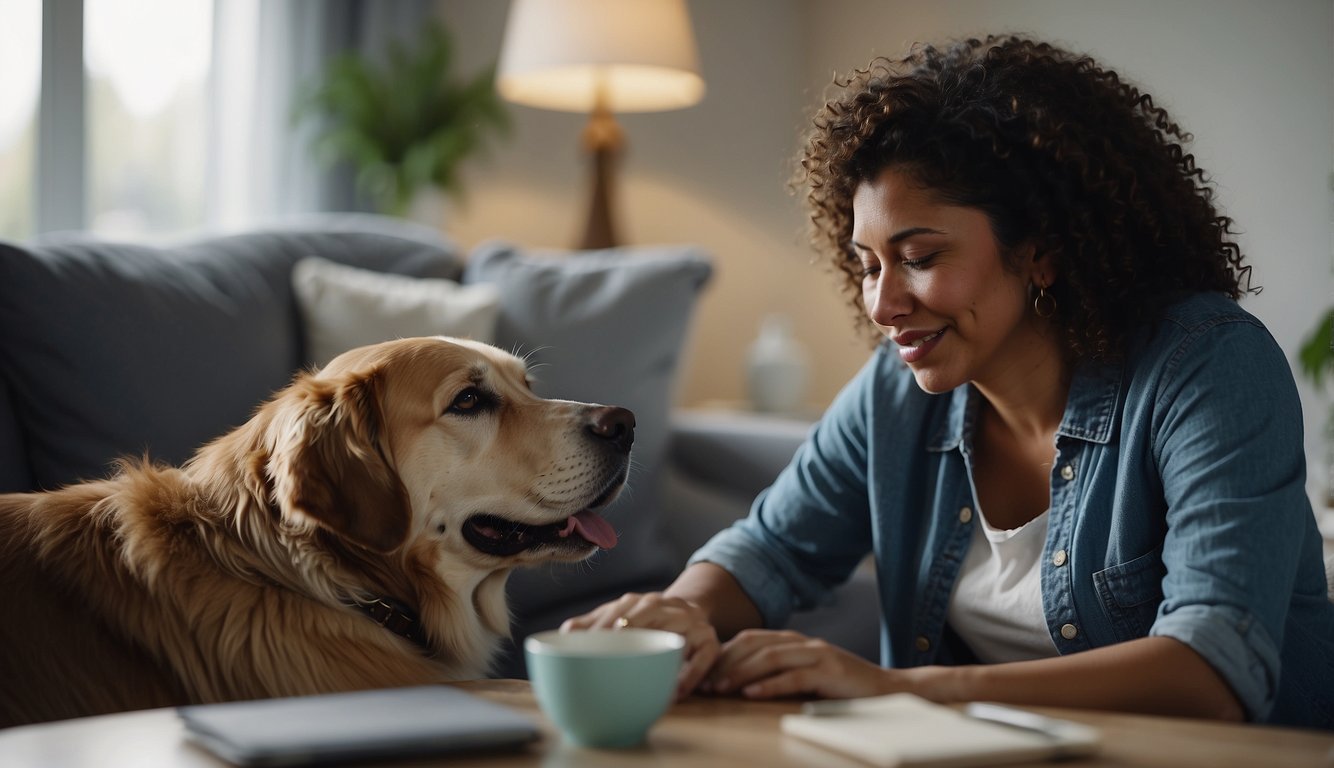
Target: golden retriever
<point>357,532</point>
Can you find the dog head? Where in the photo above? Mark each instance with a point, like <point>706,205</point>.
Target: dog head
<point>441,442</point>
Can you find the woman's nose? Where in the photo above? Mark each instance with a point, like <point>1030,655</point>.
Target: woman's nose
<point>886,298</point>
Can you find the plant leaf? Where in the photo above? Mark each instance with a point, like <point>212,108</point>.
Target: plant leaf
<point>1317,352</point>
<point>405,122</point>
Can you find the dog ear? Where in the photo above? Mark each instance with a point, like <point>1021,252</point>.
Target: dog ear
<point>330,463</point>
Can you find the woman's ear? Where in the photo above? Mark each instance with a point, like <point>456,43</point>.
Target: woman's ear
<point>1040,263</point>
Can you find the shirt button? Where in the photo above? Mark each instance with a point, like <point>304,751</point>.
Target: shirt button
<point>923,643</point>
<point>1067,472</point>
<point>1058,559</point>
<point>1069,631</point>
<point>965,515</point>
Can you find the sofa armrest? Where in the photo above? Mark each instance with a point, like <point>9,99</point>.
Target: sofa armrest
<point>735,450</point>
<point>717,462</point>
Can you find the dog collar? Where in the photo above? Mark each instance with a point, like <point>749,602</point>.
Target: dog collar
<point>397,618</point>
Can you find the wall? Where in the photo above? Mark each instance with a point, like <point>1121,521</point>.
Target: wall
<point>1253,81</point>
<point>714,174</point>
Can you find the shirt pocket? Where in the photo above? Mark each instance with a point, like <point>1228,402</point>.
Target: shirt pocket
<point>1131,593</point>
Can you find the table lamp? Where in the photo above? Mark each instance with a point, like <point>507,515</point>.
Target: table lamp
<point>600,57</point>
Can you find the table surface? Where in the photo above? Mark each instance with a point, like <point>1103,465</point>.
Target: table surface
<point>697,732</point>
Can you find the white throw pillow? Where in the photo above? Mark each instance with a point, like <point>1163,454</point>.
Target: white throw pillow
<point>345,307</point>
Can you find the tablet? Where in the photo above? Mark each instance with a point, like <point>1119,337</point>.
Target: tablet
<point>418,721</point>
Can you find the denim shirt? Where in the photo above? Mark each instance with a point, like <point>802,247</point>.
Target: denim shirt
<point>1178,509</point>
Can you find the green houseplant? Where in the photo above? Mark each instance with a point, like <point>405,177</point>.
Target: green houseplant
<point>406,123</point>
<point>1316,359</point>
<point>1317,352</point>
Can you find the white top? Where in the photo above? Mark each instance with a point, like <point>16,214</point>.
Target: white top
<point>996,607</point>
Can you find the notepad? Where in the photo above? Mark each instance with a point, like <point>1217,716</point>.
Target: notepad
<point>379,724</point>
<point>902,730</point>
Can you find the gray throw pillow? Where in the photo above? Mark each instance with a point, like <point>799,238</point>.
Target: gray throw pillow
<point>111,350</point>
<point>605,327</point>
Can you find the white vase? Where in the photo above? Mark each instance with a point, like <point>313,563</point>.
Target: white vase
<point>777,368</point>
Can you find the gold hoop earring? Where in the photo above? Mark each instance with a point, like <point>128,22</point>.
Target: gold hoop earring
<point>1044,306</point>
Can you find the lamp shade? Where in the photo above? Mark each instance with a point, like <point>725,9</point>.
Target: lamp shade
<point>620,55</point>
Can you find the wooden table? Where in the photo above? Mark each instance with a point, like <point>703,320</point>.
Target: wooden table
<point>697,732</point>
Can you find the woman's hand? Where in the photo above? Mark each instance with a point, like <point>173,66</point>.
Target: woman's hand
<point>657,611</point>
<point>765,664</point>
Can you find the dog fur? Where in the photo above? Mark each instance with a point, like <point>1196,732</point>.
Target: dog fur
<point>419,470</point>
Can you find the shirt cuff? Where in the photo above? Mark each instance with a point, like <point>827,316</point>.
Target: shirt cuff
<point>753,570</point>
<point>1236,645</point>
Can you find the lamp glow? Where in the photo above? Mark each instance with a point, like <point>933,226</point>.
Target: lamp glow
<point>600,57</point>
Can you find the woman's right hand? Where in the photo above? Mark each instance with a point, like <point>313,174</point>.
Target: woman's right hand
<point>655,610</point>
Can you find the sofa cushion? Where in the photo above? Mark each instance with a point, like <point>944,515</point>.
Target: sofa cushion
<point>605,327</point>
<point>344,307</point>
<point>112,350</point>
<point>14,473</point>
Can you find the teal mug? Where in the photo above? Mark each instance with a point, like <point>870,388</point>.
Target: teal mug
<point>604,688</point>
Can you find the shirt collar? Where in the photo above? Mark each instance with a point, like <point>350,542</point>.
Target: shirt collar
<point>1090,408</point>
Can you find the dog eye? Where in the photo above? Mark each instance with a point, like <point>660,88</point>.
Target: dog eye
<point>470,400</point>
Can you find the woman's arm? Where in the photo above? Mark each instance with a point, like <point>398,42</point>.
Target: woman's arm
<point>719,595</point>
<point>1227,441</point>
<point>1152,675</point>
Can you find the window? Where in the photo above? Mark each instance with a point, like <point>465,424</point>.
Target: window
<point>121,92</point>
<point>147,91</point>
<point>21,65</point>
<point>138,119</point>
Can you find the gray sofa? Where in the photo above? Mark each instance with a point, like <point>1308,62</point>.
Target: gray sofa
<point>111,349</point>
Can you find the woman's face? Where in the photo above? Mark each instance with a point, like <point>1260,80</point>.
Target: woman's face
<point>935,282</point>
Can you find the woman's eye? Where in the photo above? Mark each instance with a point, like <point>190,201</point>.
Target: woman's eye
<point>469,400</point>
<point>919,263</point>
<point>869,269</point>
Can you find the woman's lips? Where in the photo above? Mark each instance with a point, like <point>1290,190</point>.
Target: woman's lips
<point>920,348</point>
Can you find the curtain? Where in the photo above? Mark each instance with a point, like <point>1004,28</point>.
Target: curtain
<point>265,53</point>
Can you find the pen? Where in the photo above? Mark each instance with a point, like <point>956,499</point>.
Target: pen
<point>1060,732</point>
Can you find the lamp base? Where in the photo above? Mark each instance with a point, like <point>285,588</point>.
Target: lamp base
<point>604,141</point>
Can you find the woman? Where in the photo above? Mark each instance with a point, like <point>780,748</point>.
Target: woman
<point>1077,462</point>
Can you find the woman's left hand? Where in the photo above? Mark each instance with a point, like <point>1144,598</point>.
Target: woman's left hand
<point>765,664</point>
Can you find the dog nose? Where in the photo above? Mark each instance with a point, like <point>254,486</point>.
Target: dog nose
<point>615,425</point>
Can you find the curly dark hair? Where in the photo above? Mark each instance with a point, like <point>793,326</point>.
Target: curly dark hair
<point>1057,151</point>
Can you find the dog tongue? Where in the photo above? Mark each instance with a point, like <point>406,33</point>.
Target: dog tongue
<point>592,527</point>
